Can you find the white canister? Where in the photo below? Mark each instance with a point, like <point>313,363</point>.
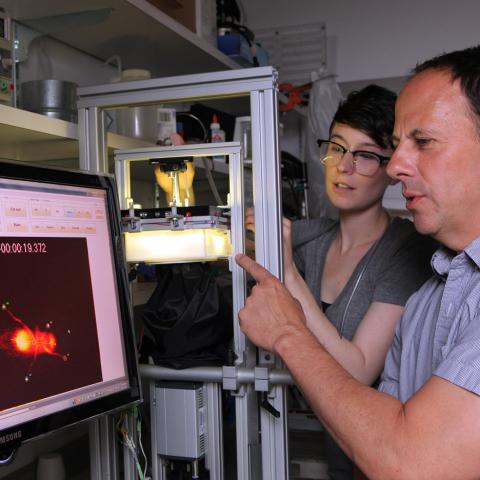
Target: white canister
<point>50,466</point>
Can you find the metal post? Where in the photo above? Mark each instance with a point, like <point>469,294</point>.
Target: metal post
<point>246,404</point>
<point>93,152</point>
<point>103,449</point>
<point>122,176</point>
<point>158,472</point>
<point>129,466</point>
<point>268,251</point>
<point>214,456</point>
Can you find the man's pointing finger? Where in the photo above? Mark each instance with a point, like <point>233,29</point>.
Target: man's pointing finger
<point>253,268</point>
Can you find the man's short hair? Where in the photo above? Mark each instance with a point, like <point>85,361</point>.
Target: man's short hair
<point>462,65</point>
<point>371,110</point>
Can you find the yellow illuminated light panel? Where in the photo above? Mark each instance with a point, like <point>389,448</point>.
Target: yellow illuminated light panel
<point>169,246</point>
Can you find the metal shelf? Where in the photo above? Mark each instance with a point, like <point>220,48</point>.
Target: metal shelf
<point>140,33</point>
<point>33,137</point>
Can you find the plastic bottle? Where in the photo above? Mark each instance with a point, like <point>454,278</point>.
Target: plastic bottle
<point>217,135</point>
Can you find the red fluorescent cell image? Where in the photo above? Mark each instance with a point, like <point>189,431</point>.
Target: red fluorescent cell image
<point>48,332</point>
<point>29,342</point>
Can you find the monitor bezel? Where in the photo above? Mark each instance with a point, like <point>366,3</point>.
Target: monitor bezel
<point>12,437</point>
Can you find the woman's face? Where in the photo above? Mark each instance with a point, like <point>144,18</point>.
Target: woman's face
<point>347,189</point>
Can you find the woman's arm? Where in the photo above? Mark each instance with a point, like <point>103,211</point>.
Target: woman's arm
<point>364,356</point>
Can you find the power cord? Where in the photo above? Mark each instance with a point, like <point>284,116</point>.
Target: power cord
<point>129,443</point>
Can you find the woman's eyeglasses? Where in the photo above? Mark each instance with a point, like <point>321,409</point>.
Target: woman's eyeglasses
<point>364,162</point>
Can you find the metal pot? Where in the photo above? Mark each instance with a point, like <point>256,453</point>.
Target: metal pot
<point>138,122</point>
<point>53,98</point>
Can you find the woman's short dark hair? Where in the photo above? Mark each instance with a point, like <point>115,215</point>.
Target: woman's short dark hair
<point>463,65</point>
<point>371,110</point>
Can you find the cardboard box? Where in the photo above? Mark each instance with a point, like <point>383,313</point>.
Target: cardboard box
<point>199,16</point>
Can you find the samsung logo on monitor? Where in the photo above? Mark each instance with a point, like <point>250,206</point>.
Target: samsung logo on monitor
<point>10,436</point>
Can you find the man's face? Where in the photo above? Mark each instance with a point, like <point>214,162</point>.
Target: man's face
<point>437,158</point>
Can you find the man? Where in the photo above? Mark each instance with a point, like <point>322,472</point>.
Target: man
<point>424,422</point>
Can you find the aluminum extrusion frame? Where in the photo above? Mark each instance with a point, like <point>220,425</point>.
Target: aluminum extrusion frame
<point>260,84</point>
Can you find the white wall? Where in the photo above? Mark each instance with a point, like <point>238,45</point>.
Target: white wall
<point>377,38</point>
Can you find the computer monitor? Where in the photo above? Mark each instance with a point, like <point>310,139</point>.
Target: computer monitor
<point>67,347</point>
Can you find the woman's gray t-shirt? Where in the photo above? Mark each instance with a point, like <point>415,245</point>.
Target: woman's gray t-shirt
<point>395,267</point>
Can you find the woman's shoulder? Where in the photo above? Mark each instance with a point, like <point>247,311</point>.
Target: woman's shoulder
<point>304,231</point>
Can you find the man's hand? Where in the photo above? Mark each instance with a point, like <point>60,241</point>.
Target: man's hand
<point>270,312</point>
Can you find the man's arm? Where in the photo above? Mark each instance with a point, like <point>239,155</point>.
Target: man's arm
<point>436,434</point>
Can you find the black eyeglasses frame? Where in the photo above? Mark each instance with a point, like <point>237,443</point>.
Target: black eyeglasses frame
<point>382,158</point>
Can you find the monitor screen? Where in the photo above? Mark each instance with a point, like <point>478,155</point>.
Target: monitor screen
<point>66,338</point>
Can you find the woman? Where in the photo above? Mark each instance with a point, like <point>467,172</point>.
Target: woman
<point>353,276</point>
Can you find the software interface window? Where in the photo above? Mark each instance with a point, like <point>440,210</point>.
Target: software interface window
<point>60,338</point>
